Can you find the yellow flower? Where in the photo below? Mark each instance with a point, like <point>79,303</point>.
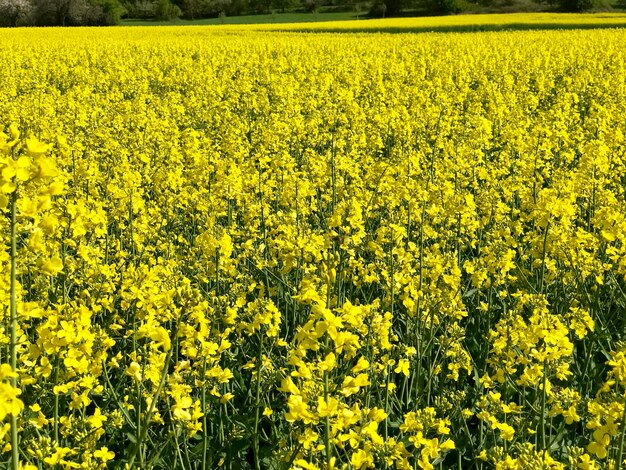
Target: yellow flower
<point>52,266</point>
<point>571,415</point>
<point>10,404</point>
<point>97,419</point>
<point>586,463</point>
<point>361,365</point>
<point>298,410</point>
<point>361,459</point>
<point>402,367</point>
<point>328,363</point>
<point>58,456</point>
<point>225,398</point>
<point>506,431</point>
<point>304,465</point>
<point>104,454</point>
<point>35,148</point>
<point>134,371</point>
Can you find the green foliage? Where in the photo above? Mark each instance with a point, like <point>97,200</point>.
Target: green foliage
<point>282,5</point>
<point>111,11</point>
<point>580,5</point>
<point>71,12</point>
<point>193,8</point>
<point>167,11</point>
<point>378,9</point>
<point>583,5</point>
<point>448,6</point>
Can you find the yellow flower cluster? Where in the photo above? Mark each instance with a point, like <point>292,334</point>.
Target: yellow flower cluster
<point>267,249</point>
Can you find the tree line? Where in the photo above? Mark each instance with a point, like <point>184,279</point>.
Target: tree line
<point>60,12</point>
<point>110,12</point>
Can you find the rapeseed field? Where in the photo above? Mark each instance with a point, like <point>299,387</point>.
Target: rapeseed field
<point>267,248</point>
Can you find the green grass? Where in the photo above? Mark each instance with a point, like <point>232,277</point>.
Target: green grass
<point>252,19</point>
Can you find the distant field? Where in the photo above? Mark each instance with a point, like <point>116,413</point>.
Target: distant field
<point>252,19</point>
<point>460,23</point>
<point>344,22</point>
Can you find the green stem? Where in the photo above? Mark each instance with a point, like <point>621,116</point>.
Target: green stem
<point>620,450</point>
<point>204,417</point>
<point>179,455</point>
<point>327,425</point>
<point>144,428</point>
<point>255,437</point>
<point>15,456</point>
<point>392,286</point>
<point>543,409</point>
<point>387,400</point>
<point>56,402</point>
<point>543,259</point>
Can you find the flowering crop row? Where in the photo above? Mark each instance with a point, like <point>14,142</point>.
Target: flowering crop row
<point>227,248</point>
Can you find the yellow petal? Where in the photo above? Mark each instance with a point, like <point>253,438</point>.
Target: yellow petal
<point>22,174</point>
<point>53,266</point>
<point>14,131</point>
<point>34,147</point>
<point>8,187</point>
